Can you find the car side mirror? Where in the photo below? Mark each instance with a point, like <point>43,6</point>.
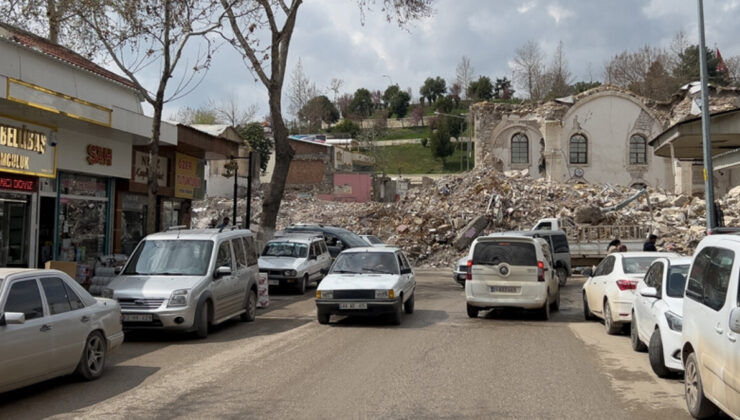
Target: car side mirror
<point>649,292</point>
<point>735,320</point>
<point>12,318</point>
<point>222,271</point>
<point>406,271</point>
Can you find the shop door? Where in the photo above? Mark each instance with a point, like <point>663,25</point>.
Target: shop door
<point>47,216</point>
<point>14,230</point>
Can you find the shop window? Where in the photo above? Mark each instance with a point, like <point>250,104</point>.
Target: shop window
<point>519,148</point>
<point>578,149</point>
<point>14,229</point>
<point>638,150</point>
<point>133,221</point>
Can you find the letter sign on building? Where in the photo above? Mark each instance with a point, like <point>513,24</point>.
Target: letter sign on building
<point>97,155</point>
<point>24,150</point>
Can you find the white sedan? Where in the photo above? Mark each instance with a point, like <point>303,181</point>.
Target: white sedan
<point>367,281</point>
<point>50,326</point>
<point>658,314</point>
<point>608,294</point>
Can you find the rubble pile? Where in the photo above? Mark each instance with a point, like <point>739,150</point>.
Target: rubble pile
<point>431,219</point>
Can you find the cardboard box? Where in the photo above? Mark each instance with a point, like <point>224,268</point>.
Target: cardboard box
<point>69,267</point>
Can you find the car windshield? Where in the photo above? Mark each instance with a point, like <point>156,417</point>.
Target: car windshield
<point>373,240</point>
<point>365,262</point>
<point>497,252</point>
<point>285,249</point>
<point>676,280</point>
<point>170,257</point>
<point>637,265</point>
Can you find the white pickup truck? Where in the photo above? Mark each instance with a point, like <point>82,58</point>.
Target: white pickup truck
<point>588,243</point>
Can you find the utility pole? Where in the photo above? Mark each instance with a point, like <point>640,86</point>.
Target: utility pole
<point>707,141</point>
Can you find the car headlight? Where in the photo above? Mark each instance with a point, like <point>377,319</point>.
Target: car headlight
<point>178,298</point>
<point>324,294</point>
<point>675,322</point>
<point>107,293</point>
<point>290,273</point>
<point>384,294</point>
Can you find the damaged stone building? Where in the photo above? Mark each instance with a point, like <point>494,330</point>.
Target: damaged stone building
<point>603,135</point>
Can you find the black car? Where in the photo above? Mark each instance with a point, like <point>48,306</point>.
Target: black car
<point>337,239</point>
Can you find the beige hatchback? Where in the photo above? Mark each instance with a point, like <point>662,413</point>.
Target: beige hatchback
<point>511,271</point>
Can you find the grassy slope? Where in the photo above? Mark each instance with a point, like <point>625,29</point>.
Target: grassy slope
<point>416,159</point>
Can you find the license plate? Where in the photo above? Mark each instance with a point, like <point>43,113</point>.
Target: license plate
<point>273,282</point>
<point>353,305</point>
<point>504,289</point>
<point>137,318</point>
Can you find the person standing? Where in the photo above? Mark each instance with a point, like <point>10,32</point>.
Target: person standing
<point>224,223</point>
<point>649,245</point>
<point>613,246</point>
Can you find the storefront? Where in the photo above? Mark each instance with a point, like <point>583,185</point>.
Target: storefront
<point>27,154</point>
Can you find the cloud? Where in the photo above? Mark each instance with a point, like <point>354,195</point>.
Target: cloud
<point>558,13</point>
<point>526,7</point>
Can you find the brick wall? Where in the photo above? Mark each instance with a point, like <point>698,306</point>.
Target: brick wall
<point>313,164</point>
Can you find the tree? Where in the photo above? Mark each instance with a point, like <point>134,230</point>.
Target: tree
<point>267,55</point>
<point>444,104</point>
<point>135,36</point>
<point>417,115</point>
<point>455,91</point>
<point>630,69</point>
<point>362,104</point>
<point>343,103</point>
<point>439,142</point>
<point>733,69</point>
<point>558,77</point>
<point>481,89</point>
<point>399,105</point>
<point>502,89</point>
<point>254,134</point>
<point>56,20</point>
<point>347,126</point>
<point>433,88</point>
<point>200,115</point>
<point>319,109</point>
<point>687,69</point>
<point>301,91</point>
<point>579,87</point>
<point>377,99</point>
<point>389,93</point>
<point>464,74</point>
<point>658,83</point>
<point>528,70</point>
<point>334,86</point>
<point>229,111</point>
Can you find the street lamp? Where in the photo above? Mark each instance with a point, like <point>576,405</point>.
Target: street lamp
<point>462,117</point>
<point>389,79</point>
<point>235,167</point>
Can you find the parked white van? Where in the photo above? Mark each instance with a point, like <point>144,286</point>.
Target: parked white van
<point>295,260</point>
<point>711,326</point>
<point>188,280</point>
<point>511,271</point>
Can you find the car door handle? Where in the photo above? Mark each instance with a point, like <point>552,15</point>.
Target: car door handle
<point>732,337</point>
<point>45,328</point>
<point>718,330</point>
<point>85,318</point>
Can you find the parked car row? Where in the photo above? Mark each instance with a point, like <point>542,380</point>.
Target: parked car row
<point>684,311</point>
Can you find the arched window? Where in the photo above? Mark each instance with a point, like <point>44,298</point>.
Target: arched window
<point>638,150</point>
<point>578,149</point>
<point>519,148</point>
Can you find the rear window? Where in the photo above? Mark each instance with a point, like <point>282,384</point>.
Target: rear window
<point>635,265</point>
<point>560,244</point>
<point>497,252</point>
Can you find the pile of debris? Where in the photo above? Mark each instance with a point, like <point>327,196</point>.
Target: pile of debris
<point>435,222</point>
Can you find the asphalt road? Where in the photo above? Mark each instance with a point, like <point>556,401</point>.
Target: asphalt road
<point>437,364</point>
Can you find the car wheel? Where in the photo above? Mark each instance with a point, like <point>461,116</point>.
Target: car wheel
<point>562,275</point>
<point>398,314</point>
<point>611,327</point>
<point>302,285</point>
<point>92,361</point>
<point>587,315</point>
<point>323,318</point>
<point>655,354</point>
<point>473,311</point>
<point>555,305</point>
<point>637,344</point>
<point>699,406</point>
<point>201,330</point>
<point>408,306</point>
<point>251,308</point>
<point>544,312</point>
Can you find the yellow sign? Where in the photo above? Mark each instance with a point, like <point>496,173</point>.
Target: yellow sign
<point>187,180</point>
<point>24,150</point>
<point>22,138</point>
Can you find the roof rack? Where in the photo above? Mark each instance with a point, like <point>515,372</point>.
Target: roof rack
<point>302,234</point>
<point>178,227</point>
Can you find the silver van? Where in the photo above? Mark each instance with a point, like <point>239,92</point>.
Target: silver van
<point>295,260</point>
<point>188,280</point>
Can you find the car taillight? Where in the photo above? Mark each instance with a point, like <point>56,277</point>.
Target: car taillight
<point>627,284</point>
<point>469,272</point>
<point>540,271</point>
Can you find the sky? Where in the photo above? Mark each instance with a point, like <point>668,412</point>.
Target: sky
<point>331,42</point>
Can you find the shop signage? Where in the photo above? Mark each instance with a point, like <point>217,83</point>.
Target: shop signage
<point>25,151</point>
<point>97,155</point>
<point>17,183</point>
<point>141,165</point>
<point>188,177</point>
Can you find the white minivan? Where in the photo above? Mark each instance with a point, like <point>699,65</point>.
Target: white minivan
<point>711,327</point>
<point>511,271</point>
